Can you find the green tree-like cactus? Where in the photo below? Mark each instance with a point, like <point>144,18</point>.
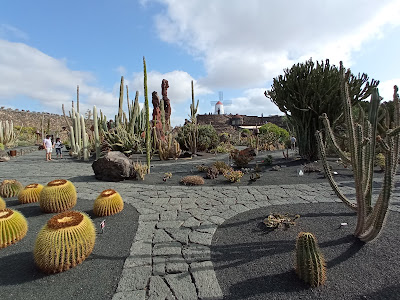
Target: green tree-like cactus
<point>310,263</point>
<point>193,120</point>
<point>64,242</point>
<point>10,188</point>
<point>108,203</point>
<point>30,193</point>
<point>13,227</point>
<point>2,204</point>
<point>57,196</point>
<point>363,138</point>
<point>307,90</point>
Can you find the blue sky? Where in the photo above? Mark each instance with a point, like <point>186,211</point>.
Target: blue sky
<point>48,47</point>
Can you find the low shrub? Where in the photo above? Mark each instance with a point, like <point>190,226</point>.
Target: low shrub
<point>192,180</point>
<point>140,169</point>
<point>221,166</point>
<point>233,176</point>
<point>267,161</point>
<point>212,172</point>
<point>243,157</point>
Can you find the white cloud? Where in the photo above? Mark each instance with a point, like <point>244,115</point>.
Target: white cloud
<point>246,44</point>
<point>253,103</point>
<point>179,85</point>
<point>120,70</point>
<point>386,88</point>
<point>28,72</point>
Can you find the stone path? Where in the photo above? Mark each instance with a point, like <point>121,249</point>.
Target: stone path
<point>170,255</point>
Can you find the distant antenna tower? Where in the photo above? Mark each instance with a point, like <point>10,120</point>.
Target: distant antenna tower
<point>225,103</point>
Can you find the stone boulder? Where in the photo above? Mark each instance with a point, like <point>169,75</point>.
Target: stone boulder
<point>4,156</point>
<point>114,166</point>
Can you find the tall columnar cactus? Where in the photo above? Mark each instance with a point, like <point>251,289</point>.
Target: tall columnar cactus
<point>84,140</point>
<point>7,134</point>
<point>30,193</point>
<point>77,99</point>
<point>108,203</point>
<point>146,105</point>
<point>121,101</point>
<point>96,132</point>
<point>310,263</point>
<point>10,188</point>
<point>64,242</point>
<point>57,196</point>
<point>362,144</point>
<point>193,119</point>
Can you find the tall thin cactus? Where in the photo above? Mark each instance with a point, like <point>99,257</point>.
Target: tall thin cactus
<point>146,105</point>
<point>96,132</point>
<point>121,101</point>
<point>193,119</point>
<point>362,144</point>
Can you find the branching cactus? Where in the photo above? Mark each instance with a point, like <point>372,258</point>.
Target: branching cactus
<point>310,263</point>
<point>363,139</point>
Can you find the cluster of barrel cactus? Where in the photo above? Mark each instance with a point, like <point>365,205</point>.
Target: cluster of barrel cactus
<point>13,227</point>
<point>109,202</point>
<point>10,188</point>
<point>30,193</point>
<point>57,196</point>
<point>64,242</point>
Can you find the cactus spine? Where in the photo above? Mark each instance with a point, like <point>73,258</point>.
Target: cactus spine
<point>362,143</point>
<point>96,132</point>
<point>310,263</point>
<point>146,105</point>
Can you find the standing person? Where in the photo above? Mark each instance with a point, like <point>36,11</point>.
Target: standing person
<point>58,145</point>
<point>293,142</point>
<point>48,146</point>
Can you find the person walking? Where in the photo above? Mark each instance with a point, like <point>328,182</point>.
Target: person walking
<point>293,143</point>
<point>58,146</point>
<point>48,147</point>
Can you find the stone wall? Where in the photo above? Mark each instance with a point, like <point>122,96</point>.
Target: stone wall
<point>223,122</point>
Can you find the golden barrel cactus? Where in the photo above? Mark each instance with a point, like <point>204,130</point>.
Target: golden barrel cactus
<point>13,227</point>
<point>57,196</point>
<point>10,188</point>
<point>30,193</point>
<point>64,242</point>
<point>108,203</point>
<point>2,204</point>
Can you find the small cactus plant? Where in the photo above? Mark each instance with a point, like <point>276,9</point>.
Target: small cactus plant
<point>57,196</point>
<point>192,180</point>
<point>380,161</point>
<point>2,204</point>
<point>310,263</point>
<point>64,242</point>
<point>13,227</point>
<point>108,203</point>
<point>10,188</point>
<point>30,194</point>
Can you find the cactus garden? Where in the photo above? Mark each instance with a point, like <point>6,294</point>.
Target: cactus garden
<point>209,204</point>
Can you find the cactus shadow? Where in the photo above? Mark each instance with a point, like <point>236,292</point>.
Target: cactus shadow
<point>18,268</point>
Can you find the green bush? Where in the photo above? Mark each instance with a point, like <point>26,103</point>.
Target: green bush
<point>207,137</point>
<point>280,132</point>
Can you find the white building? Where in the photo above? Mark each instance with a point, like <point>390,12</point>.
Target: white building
<point>219,108</point>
